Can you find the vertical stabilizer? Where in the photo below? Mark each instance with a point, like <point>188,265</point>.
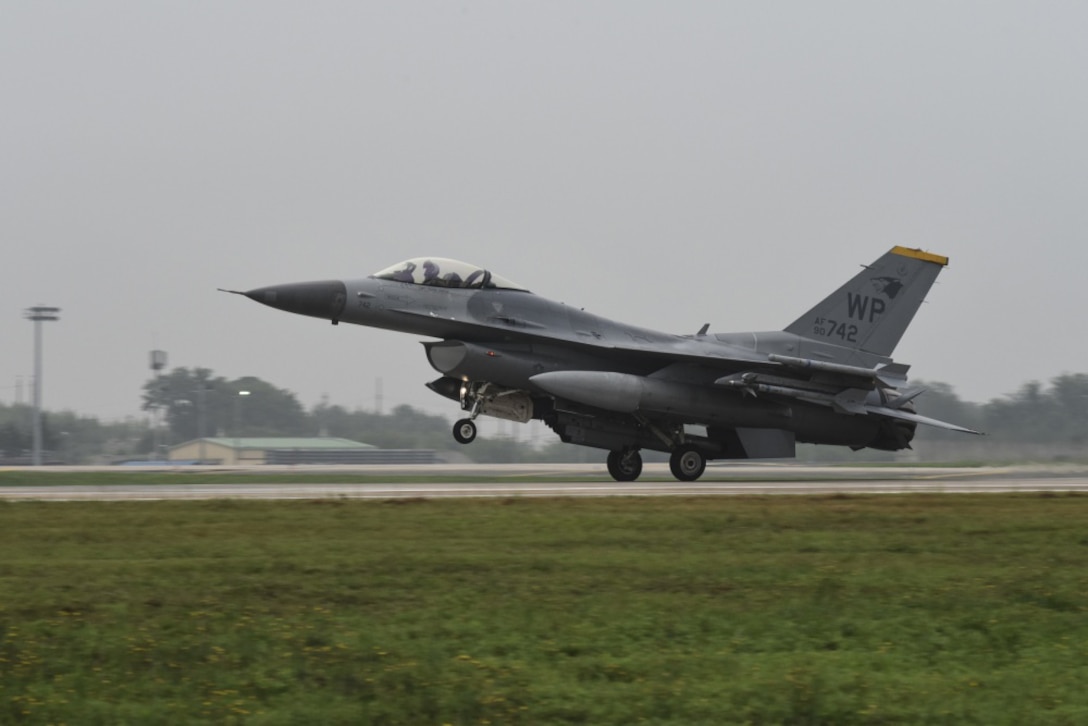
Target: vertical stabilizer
<point>873,310</point>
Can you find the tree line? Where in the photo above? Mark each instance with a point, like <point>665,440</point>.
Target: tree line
<point>1038,421</point>
<point>1041,421</point>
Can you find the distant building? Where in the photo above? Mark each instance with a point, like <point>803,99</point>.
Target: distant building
<point>286,450</point>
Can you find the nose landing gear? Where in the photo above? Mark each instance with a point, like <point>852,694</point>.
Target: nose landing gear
<point>482,397</point>
<point>464,431</point>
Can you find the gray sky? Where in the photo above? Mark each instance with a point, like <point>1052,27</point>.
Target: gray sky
<point>666,164</point>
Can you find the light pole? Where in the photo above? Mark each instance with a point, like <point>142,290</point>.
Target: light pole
<point>201,418</point>
<point>237,451</point>
<point>39,314</point>
<point>158,362</point>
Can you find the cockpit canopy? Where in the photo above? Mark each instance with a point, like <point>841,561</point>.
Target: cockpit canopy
<point>444,272</point>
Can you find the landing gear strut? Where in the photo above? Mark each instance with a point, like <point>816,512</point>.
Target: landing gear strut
<point>625,465</point>
<point>464,431</point>
<point>492,399</point>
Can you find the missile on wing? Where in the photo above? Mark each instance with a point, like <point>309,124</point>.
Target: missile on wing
<point>891,374</point>
<point>755,387</point>
<point>849,400</point>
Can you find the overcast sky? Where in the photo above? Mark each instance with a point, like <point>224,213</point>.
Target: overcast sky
<point>666,164</point>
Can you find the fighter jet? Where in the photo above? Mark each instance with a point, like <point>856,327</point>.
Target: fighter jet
<point>503,351</point>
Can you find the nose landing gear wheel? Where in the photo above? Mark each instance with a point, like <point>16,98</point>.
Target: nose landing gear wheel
<point>624,465</point>
<point>687,463</point>
<point>464,431</point>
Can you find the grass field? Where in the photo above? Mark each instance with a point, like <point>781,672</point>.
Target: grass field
<point>834,610</point>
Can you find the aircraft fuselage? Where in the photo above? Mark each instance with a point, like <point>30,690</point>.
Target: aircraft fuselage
<point>504,351</point>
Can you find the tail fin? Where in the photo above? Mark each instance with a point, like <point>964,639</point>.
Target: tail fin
<point>873,310</point>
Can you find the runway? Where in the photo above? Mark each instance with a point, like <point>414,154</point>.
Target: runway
<point>502,481</point>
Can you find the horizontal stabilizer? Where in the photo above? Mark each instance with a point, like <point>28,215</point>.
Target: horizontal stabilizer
<point>907,416</point>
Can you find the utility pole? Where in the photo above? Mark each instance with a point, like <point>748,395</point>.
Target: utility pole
<point>237,443</point>
<point>39,314</point>
<point>158,362</point>
<point>201,417</point>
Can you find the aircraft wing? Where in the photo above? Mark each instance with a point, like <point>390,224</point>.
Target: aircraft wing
<point>845,388</point>
<point>734,363</point>
<point>848,389</point>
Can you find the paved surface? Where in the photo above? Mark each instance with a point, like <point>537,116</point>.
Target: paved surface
<point>585,481</point>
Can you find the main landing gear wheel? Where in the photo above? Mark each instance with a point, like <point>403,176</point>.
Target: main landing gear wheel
<point>687,463</point>
<point>624,465</point>
<point>464,431</point>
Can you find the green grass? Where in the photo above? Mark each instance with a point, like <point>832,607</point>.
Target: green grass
<point>762,610</point>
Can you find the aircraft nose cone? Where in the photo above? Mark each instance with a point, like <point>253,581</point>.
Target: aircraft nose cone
<point>324,299</point>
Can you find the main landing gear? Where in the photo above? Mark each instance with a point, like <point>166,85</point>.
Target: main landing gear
<point>625,465</point>
<point>687,463</point>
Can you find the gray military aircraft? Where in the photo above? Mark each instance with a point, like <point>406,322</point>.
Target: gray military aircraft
<point>828,378</point>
